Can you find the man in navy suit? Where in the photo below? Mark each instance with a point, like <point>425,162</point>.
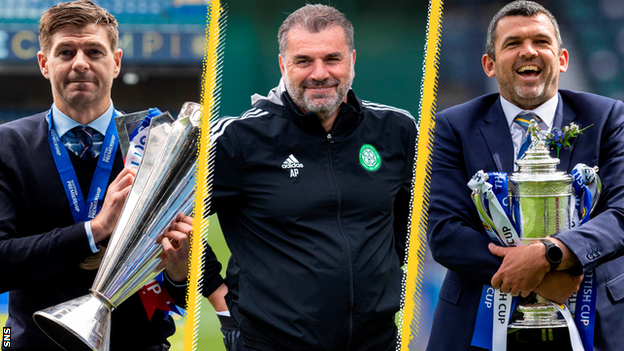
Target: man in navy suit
<point>525,54</point>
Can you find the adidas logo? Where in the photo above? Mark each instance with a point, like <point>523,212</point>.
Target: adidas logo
<point>291,162</point>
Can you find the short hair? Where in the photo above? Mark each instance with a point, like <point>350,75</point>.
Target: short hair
<point>79,14</point>
<point>315,18</point>
<point>518,8</point>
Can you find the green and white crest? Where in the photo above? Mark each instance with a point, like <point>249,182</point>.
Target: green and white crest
<point>369,157</point>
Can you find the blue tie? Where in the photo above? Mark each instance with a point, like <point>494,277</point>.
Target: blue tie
<point>524,120</point>
<point>85,141</point>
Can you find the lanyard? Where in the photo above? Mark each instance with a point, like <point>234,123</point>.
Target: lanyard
<point>83,211</point>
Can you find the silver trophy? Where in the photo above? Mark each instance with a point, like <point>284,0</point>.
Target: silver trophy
<point>164,186</point>
<point>543,202</point>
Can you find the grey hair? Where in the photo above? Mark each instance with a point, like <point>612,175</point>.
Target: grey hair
<point>518,8</point>
<point>315,18</point>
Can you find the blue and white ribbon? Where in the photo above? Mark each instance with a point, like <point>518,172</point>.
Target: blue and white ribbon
<point>138,140</point>
<point>585,310</point>
<point>493,187</point>
<point>587,188</point>
<point>575,339</point>
<point>495,307</point>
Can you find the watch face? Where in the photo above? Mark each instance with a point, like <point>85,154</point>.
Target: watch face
<point>554,253</point>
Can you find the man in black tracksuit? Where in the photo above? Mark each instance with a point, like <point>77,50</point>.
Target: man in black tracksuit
<point>312,189</point>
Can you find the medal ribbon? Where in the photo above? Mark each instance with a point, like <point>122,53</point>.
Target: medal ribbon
<point>84,211</point>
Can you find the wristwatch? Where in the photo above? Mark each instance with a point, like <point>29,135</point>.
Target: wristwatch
<point>554,254</point>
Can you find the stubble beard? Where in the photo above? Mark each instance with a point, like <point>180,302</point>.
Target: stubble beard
<point>80,98</point>
<point>530,93</point>
<point>532,96</point>
<point>324,105</point>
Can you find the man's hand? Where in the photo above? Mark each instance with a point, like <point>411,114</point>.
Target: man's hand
<point>217,298</point>
<point>176,246</point>
<point>522,270</point>
<point>103,224</point>
<point>557,286</point>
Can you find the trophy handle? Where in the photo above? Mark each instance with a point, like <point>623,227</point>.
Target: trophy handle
<point>598,190</point>
<point>477,198</point>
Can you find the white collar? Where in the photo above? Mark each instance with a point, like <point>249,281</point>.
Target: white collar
<point>545,111</point>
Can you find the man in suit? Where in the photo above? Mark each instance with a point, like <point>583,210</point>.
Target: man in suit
<point>525,54</point>
<point>49,250</point>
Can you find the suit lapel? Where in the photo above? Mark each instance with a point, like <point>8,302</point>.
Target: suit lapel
<point>498,138</point>
<point>563,117</point>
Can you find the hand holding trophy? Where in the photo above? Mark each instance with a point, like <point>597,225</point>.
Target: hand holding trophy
<point>163,188</point>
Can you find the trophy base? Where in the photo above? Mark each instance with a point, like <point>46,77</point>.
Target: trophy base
<point>538,316</point>
<point>81,324</point>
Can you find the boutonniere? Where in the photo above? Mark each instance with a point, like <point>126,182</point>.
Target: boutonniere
<point>560,138</point>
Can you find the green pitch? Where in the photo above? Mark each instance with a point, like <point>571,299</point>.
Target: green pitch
<point>209,335</point>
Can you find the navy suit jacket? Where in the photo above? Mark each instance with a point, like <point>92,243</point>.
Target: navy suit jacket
<point>475,136</point>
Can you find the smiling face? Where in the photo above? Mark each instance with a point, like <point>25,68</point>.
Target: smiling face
<point>528,60</point>
<point>318,71</point>
<point>81,67</point>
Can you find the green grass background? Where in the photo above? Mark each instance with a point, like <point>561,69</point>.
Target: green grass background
<point>209,335</point>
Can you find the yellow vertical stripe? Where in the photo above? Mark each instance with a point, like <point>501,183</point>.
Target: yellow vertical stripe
<point>200,230</point>
<point>420,200</point>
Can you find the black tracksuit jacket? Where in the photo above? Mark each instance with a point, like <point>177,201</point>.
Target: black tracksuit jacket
<point>317,239</point>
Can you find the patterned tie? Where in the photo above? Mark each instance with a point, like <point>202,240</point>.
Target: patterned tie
<point>524,120</point>
<point>85,139</point>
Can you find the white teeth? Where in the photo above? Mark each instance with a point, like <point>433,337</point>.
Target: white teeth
<point>528,68</point>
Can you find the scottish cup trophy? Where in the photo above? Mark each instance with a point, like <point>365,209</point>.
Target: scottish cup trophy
<point>542,202</point>
<point>164,186</point>
<point>536,202</point>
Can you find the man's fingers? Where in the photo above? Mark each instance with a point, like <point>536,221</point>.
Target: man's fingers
<point>185,219</point>
<point>181,227</point>
<point>166,244</point>
<point>497,250</point>
<point>176,239</point>
<point>123,179</point>
<point>496,281</point>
